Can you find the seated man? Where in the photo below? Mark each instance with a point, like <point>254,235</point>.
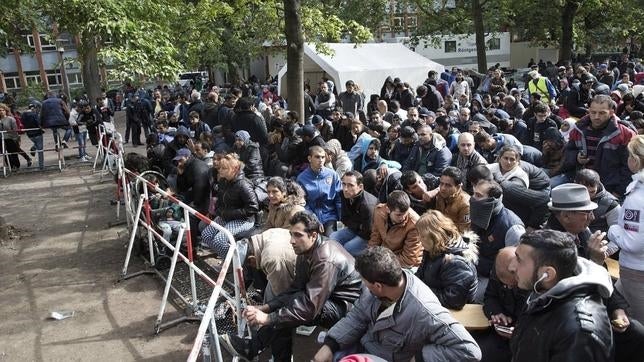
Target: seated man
<point>415,187</point>
<point>326,284</point>
<point>323,190</point>
<point>357,214</point>
<point>565,318</point>
<point>467,156</point>
<point>249,154</point>
<point>502,305</point>
<point>270,253</point>
<point>429,157</point>
<point>394,227</point>
<point>451,200</point>
<point>398,319</point>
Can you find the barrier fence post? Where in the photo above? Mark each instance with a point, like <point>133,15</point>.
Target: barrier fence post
<point>173,264</point>
<point>193,282</point>
<point>5,159</point>
<point>148,220</point>
<point>137,216</point>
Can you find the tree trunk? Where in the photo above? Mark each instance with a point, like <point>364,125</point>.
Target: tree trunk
<point>568,14</point>
<point>89,67</point>
<point>479,30</point>
<point>294,57</point>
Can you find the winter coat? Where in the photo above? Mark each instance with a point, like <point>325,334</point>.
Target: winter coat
<point>325,273</point>
<point>607,211</point>
<point>436,160</point>
<point>361,163</point>
<point>323,193</point>
<point>452,274</point>
<point>505,229</point>
<point>416,325</point>
<point>536,131</point>
<point>279,216</point>
<point>499,298</point>
<point>236,199</point>
<point>357,213</point>
<point>252,123</point>
<point>209,114</point>
<point>30,119</point>
<point>457,208</point>
<point>252,159</point>
<point>569,321</point>
<point>401,238</point>
<point>610,157</point>
<point>628,234</point>
<point>54,113</point>
<point>194,184</point>
<point>400,152</point>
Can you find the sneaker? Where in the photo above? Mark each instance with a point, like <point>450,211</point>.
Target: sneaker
<point>64,144</point>
<point>84,159</point>
<point>239,347</point>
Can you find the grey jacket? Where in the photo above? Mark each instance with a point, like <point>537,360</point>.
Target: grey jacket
<point>417,324</point>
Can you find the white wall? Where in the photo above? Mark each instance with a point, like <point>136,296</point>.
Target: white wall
<point>522,52</point>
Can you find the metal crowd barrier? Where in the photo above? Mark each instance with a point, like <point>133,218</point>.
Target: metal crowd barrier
<point>138,217</point>
<point>6,168</point>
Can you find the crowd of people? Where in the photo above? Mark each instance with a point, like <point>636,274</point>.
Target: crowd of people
<point>401,206</point>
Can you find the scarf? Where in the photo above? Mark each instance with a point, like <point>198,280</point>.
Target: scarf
<point>481,211</point>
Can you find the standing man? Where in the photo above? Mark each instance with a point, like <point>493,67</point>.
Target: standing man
<point>565,318</point>
<point>349,100</point>
<point>598,141</point>
<point>54,114</point>
<point>398,319</point>
<point>357,214</point>
<point>323,190</point>
<point>326,285</point>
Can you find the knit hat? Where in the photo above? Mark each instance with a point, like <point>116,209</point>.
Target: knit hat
<point>182,131</point>
<point>316,119</point>
<point>243,136</point>
<point>308,130</point>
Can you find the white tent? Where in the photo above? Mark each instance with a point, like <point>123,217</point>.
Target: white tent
<point>368,65</point>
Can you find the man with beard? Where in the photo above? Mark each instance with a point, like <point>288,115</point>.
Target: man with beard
<point>467,156</point>
<point>416,188</point>
<point>326,285</point>
<point>398,319</point>
<point>451,200</point>
<point>429,157</point>
<point>565,318</point>
<point>325,101</point>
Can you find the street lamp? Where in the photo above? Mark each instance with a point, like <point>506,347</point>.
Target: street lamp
<point>63,74</point>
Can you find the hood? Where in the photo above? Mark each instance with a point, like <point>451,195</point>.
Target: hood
<point>639,176</point>
<point>477,97</point>
<point>438,141</point>
<point>335,146</point>
<point>587,274</point>
<point>364,141</point>
<point>466,246</point>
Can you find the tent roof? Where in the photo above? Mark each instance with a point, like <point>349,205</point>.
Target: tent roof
<point>367,64</point>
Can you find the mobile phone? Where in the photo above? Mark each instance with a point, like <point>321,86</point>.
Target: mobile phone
<point>504,329</point>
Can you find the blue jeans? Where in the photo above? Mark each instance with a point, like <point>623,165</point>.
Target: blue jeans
<point>38,148</point>
<point>66,136</point>
<point>353,243</point>
<point>81,137</point>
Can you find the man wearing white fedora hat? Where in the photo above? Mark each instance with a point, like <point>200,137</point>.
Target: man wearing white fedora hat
<point>572,211</point>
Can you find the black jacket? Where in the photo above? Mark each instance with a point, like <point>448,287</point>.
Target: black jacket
<point>326,273</point>
<point>357,214</point>
<point>210,114</point>
<point>251,122</point>
<point>236,200</point>
<point>499,298</point>
<point>194,184</point>
<point>536,131</point>
<point>252,159</point>
<point>452,275</point>
<point>568,322</point>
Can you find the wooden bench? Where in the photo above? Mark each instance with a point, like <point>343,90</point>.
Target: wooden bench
<point>471,317</point>
<point>613,267</point>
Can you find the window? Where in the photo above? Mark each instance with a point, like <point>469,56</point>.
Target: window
<point>74,78</point>
<point>494,44</point>
<point>450,46</point>
<point>33,79</point>
<point>397,22</point>
<point>44,43</point>
<point>12,82</point>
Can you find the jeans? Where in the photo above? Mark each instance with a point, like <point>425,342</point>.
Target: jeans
<point>38,148</point>
<point>353,243</point>
<point>81,137</point>
<point>66,136</point>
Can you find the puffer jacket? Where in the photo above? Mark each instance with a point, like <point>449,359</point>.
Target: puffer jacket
<point>568,322</point>
<point>249,154</point>
<point>452,275</point>
<point>401,238</point>
<point>279,216</point>
<point>324,273</point>
<point>236,199</point>
<point>54,113</point>
<point>610,157</point>
<point>436,160</point>
<point>418,326</point>
<point>194,184</point>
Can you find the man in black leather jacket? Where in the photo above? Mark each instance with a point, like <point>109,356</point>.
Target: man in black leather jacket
<point>565,318</point>
<point>326,285</point>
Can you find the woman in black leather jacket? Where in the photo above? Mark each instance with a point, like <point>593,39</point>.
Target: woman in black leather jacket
<point>449,259</point>
<point>236,205</point>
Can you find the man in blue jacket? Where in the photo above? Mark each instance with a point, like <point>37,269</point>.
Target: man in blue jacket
<point>323,190</point>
